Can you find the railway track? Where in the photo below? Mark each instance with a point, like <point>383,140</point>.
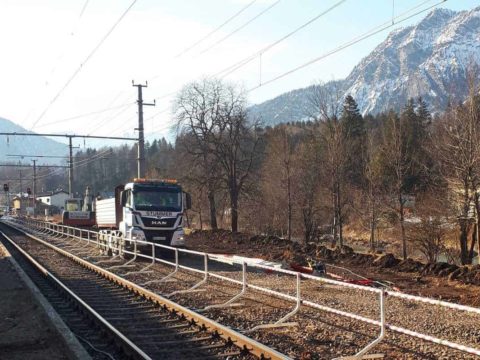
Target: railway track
<point>117,319</point>
<point>334,320</point>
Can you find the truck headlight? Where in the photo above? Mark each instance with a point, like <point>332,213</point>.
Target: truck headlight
<point>178,239</point>
<point>137,234</point>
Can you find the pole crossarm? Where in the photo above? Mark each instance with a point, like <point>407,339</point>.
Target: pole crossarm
<point>38,166</point>
<point>69,136</point>
<point>37,156</point>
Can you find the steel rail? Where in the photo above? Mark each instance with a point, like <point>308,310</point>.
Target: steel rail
<point>382,324</point>
<point>243,342</point>
<point>89,309</point>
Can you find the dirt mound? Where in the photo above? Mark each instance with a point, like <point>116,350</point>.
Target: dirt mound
<point>409,265</point>
<point>386,261</point>
<point>362,259</point>
<point>439,269</point>
<point>273,248</point>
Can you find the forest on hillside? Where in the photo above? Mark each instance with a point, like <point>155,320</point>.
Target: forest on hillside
<point>338,177</point>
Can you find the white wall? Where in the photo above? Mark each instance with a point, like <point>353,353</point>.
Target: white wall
<point>57,200</point>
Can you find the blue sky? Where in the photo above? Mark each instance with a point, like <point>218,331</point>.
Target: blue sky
<point>45,41</point>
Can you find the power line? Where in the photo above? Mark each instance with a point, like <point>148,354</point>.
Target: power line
<point>107,121</point>
<point>246,60</point>
<point>83,9</point>
<point>72,33</point>
<point>37,156</point>
<point>86,114</point>
<point>29,165</point>
<point>82,65</point>
<point>349,43</point>
<point>216,29</point>
<point>69,136</point>
<point>230,69</point>
<point>240,27</point>
<point>78,163</point>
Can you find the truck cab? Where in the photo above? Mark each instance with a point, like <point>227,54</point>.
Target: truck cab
<point>153,210</point>
<point>144,210</point>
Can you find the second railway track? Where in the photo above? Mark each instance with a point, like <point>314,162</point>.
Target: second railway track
<point>126,321</point>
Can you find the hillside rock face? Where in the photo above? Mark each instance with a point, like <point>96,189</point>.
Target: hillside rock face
<point>430,59</point>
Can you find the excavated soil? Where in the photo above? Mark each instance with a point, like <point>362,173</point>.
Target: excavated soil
<point>440,281</point>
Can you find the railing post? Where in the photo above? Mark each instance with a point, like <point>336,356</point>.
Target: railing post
<point>153,252</point>
<point>176,259</point>
<point>367,348</point>
<point>205,260</point>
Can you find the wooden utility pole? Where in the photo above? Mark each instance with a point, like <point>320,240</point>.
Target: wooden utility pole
<point>70,167</point>
<point>34,186</point>
<point>141,138</point>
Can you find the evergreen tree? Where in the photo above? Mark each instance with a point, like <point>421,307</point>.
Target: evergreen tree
<point>354,133</point>
<point>423,113</point>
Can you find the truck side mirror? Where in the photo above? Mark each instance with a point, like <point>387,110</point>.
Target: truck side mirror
<point>123,198</point>
<point>188,201</point>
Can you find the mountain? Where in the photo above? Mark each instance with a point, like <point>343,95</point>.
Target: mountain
<point>28,145</point>
<point>430,59</point>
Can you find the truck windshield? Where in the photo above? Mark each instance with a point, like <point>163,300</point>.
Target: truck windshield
<point>158,200</point>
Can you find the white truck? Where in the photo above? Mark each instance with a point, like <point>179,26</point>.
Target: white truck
<point>143,210</point>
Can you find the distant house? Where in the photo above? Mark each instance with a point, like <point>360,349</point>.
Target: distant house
<point>54,198</point>
<point>23,205</point>
<point>20,204</point>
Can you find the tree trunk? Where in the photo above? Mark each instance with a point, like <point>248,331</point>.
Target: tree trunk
<point>464,228</point>
<point>334,226</point>
<point>373,223</point>
<point>213,209</point>
<point>463,241</point>
<point>340,217</point>
<point>402,226</point>
<point>289,209</point>
<point>477,223</point>
<point>472,244</point>
<point>234,209</point>
<point>201,219</point>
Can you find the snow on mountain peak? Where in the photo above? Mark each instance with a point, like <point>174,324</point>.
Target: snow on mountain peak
<point>429,59</point>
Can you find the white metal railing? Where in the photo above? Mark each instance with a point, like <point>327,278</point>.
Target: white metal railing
<point>93,237</point>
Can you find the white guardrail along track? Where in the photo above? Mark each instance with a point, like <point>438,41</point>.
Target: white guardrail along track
<point>92,237</point>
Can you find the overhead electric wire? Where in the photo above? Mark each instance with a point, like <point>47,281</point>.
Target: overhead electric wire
<point>249,58</point>
<point>356,40</point>
<point>72,34</point>
<point>216,29</point>
<point>107,121</point>
<point>246,60</point>
<point>76,164</point>
<point>82,65</point>
<point>86,114</point>
<point>239,28</point>
<point>83,8</point>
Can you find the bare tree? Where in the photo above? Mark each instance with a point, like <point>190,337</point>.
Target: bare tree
<point>235,149</point>
<point>430,233</point>
<point>197,110</point>
<point>373,176</point>
<point>398,166</point>
<point>307,159</point>
<point>278,175</point>
<point>458,149</point>
<point>324,105</point>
